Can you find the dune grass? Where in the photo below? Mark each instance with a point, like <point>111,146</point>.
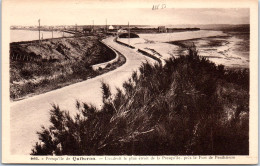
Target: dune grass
<point>189,106</point>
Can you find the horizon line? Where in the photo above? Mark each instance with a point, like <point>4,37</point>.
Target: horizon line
<point>131,24</point>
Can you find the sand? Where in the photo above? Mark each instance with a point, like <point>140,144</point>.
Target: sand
<point>224,52</point>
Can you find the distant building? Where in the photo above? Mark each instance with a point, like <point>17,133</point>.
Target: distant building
<point>87,30</point>
<point>121,31</point>
<point>162,29</point>
<point>111,27</point>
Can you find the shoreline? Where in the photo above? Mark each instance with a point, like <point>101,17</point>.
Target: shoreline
<point>218,49</point>
<point>230,50</point>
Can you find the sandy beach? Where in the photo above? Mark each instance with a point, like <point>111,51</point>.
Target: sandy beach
<point>217,46</point>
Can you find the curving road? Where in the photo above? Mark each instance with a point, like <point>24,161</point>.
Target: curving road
<point>28,115</point>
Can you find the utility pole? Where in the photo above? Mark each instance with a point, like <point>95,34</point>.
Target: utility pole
<point>39,21</point>
<point>106,25</point>
<point>52,32</point>
<point>117,28</point>
<point>128,33</point>
<point>76,30</point>
<point>93,26</point>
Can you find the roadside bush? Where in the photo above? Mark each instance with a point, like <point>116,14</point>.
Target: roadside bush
<point>126,35</point>
<point>27,74</point>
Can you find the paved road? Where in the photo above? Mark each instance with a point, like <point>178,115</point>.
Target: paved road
<point>28,115</point>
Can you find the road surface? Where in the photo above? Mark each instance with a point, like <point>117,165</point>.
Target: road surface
<point>28,115</point>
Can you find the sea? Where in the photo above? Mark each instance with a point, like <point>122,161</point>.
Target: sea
<point>28,35</point>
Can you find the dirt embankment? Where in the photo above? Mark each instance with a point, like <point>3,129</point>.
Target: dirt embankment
<point>57,49</point>
<point>36,68</point>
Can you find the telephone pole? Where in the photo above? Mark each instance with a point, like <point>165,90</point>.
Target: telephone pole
<point>93,26</point>
<point>106,25</point>
<point>52,32</point>
<point>76,28</point>
<point>128,33</point>
<point>39,21</point>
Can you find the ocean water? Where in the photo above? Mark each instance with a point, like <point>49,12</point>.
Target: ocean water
<point>177,36</point>
<point>26,35</point>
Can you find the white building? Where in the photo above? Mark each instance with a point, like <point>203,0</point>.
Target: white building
<point>121,30</point>
<point>110,27</point>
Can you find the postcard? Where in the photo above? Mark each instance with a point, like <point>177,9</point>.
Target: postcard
<point>130,82</point>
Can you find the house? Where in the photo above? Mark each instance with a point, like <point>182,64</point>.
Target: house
<point>111,27</point>
<point>87,30</point>
<point>121,31</point>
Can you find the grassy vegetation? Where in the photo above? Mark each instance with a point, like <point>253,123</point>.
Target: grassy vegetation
<point>190,106</point>
<point>126,35</point>
<point>45,74</point>
<point>124,44</point>
<point>149,55</point>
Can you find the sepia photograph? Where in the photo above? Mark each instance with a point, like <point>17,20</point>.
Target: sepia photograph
<point>130,82</point>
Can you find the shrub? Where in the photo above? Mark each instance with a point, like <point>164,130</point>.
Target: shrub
<point>126,35</point>
<point>27,74</point>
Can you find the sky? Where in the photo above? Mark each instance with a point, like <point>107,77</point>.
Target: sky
<point>118,12</point>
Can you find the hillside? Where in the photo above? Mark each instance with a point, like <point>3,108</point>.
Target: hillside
<point>55,63</point>
<point>58,49</point>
